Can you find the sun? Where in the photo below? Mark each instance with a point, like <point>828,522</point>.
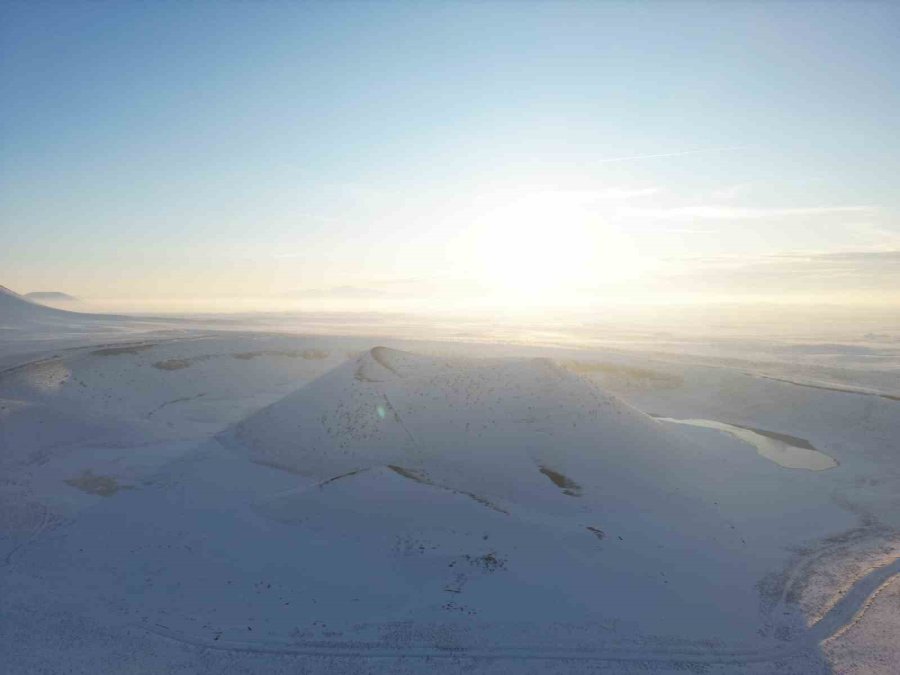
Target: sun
<point>549,248</point>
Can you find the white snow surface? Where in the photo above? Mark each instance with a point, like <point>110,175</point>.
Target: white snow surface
<point>187,497</point>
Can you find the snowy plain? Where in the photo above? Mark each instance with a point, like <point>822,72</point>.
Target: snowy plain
<point>190,495</point>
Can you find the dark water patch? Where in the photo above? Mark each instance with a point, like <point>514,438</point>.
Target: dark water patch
<point>785,450</point>
<point>794,441</point>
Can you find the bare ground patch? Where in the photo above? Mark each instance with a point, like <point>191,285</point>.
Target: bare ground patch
<point>597,532</point>
<point>125,349</point>
<point>412,475</point>
<point>95,484</point>
<point>178,364</point>
<point>632,374</point>
<point>563,482</point>
<point>308,354</point>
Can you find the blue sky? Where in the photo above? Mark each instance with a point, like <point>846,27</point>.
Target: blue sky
<point>190,149</point>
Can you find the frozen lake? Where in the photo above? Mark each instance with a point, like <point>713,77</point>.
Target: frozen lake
<point>784,450</point>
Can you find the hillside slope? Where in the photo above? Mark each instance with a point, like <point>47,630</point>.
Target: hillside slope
<point>13,304</point>
<point>524,466</point>
<point>506,430</point>
<point>50,297</point>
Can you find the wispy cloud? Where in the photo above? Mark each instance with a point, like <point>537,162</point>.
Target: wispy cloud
<point>885,236</point>
<point>887,257</point>
<point>713,212</point>
<point>338,292</point>
<point>729,192</point>
<point>789,271</point>
<point>690,230</point>
<point>682,153</point>
<point>622,193</point>
<point>586,197</point>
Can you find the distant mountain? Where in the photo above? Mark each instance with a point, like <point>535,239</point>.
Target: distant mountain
<point>18,311</point>
<point>13,304</point>
<point>50,296</point>
<point>21,309</point>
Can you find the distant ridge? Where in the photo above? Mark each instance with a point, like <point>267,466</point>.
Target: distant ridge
<point>50,296</point>
<point>22,309</point>
<point>14,305</point>
<point>9,296</point>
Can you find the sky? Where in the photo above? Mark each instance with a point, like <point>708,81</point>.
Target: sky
<point>245,154</point>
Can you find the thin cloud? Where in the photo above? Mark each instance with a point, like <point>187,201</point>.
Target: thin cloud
<point>683,153</point>
<point>885,257</point>
<point>840,277</point>
<point>888,256</point>
<point>730,192</point>
<point>586,197</point>
<point>338,292</point>
<point>739,213</point>
<point>690,230</point>
<point>797,270</point>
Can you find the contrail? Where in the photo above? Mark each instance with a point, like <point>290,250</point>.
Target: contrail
<point>669,154</point>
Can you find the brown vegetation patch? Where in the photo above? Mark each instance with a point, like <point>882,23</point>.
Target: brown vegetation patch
<point>412,475</point>
<point>308,354</point>
<point>632,373</point>
<point>343,475</point>
<point>127,349</point>
<point>178,364</point>
<point>489,562</point>
<point>104,486</point>
<point>172,364</point>
<point>566,484</point>
<point>597,532</point>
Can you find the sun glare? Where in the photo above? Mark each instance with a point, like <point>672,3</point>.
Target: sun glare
<point>550,247</point>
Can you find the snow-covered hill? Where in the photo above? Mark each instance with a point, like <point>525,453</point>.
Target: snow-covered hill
<point>278,500</point>
<point>511,433</point>
<point>534,467</point>
<point>51,297</point>
<point>14,306</point>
